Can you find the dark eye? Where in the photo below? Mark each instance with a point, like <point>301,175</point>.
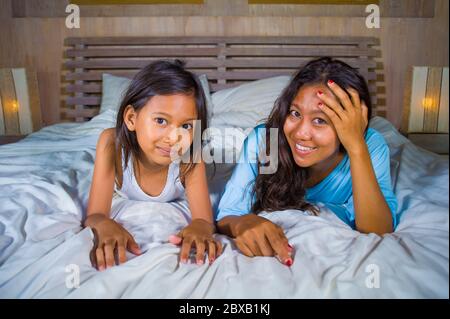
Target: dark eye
<point>294,113</point>
<point>320,121</point>
<point>187,126</point>
<point>160,121</point>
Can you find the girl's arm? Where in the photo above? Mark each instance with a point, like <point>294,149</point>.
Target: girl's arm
<point>349,117</point>
<point>199,233</point>
<point>109,235</point>
<point>197,194</point>
<point>102,186</point>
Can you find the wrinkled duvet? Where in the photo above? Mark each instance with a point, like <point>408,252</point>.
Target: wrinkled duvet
<point>44,252</point>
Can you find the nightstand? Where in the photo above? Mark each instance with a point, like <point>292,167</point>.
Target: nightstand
<point>436,143</point>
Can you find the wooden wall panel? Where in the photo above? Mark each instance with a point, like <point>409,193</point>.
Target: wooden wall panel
<point>388,8</point>
<point>38,42</point>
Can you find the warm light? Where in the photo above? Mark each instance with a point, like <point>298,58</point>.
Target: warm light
<point>428,103</point>
<point>14,105</point>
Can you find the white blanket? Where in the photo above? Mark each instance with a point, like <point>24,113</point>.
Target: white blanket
<point>44,186</point>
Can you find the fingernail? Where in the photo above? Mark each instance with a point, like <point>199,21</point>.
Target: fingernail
<point>184,261</point>
<point>319,92</point>
<point>320,104</point>
<point>101,268</point>
<point>288,262</point>
<point>290,247</point>
<point>330,81</point>
<point>211,261</point>
<point>200,262</point>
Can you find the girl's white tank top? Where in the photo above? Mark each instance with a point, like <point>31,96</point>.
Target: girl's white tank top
<point>173,190</point>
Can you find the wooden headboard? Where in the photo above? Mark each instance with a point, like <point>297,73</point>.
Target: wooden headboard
<point>227,61</point>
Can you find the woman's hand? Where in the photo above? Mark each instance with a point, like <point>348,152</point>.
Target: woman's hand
<point>258,236</point>
<point>199,235</point>
<point>110,243</point>
<point>348,115</point>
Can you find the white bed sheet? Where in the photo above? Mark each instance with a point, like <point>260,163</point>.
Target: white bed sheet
<point>44,185</point>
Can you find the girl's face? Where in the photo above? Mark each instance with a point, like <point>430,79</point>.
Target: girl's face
<point>310,133</point>
<point>164,126</point>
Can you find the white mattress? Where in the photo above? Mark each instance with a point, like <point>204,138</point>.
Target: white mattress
<point>44,185</point>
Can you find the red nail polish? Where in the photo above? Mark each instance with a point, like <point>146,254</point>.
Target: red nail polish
<point>288,262</point>
<point>319,92</point>
<point>330,81</point>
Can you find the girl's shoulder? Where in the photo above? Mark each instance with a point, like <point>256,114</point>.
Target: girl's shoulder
<point>107,143</point>
<point>107,154</point>
<point>107,138</point>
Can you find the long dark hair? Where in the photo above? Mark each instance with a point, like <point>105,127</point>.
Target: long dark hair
<point>285,189</point>
<point>158,78</point>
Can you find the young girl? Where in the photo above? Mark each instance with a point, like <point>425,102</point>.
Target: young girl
<point>159,113</point>
<point>326,154</point>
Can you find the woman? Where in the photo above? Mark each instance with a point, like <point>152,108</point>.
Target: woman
<point>326,154</point>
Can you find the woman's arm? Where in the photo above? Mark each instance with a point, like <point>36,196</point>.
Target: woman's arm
<point>372,213</point>
<point>253,235</point>
<point>349,117</point>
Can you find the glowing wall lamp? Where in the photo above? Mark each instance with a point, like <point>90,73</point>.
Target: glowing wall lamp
<point>426,110</point>
<point>20,111</point>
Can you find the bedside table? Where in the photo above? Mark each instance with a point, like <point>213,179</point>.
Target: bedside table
<point>436,143</point>
<point>6,139</point>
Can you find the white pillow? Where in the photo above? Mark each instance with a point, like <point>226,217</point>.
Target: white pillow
<point>114,88</point>
<point>246,105</point>
<point>241,108</point>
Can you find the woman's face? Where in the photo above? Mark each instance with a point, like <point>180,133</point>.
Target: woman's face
<point>164,126</point>
<point>309,132</point>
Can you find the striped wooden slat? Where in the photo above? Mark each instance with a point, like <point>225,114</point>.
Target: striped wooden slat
<point>2,120</point>
<point>443,110</point>
<point>127,41</point>
<point>143,52</point>
<point>23,100</point>
<point>432,95</point>
<point>205,52</point>
<point>227,61</point>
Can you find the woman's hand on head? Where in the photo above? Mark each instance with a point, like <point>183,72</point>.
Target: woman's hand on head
<point>199,235</point>
<point>111,240</point>
<point>258,236</point>
<point>348,115</point>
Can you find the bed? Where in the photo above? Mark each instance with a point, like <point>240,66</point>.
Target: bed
<point>45,180</point>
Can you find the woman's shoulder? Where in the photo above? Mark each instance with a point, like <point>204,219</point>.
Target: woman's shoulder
<point>257,133</point>
<point>375,141</point>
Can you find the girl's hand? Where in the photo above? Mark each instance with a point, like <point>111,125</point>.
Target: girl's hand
<point>110,243</point>
<point>258,236</point>
<point>198,234</point>
<point>348,115</point>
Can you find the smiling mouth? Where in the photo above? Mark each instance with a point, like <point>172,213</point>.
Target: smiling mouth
<point>304,150</point>
<point>164,151</point>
